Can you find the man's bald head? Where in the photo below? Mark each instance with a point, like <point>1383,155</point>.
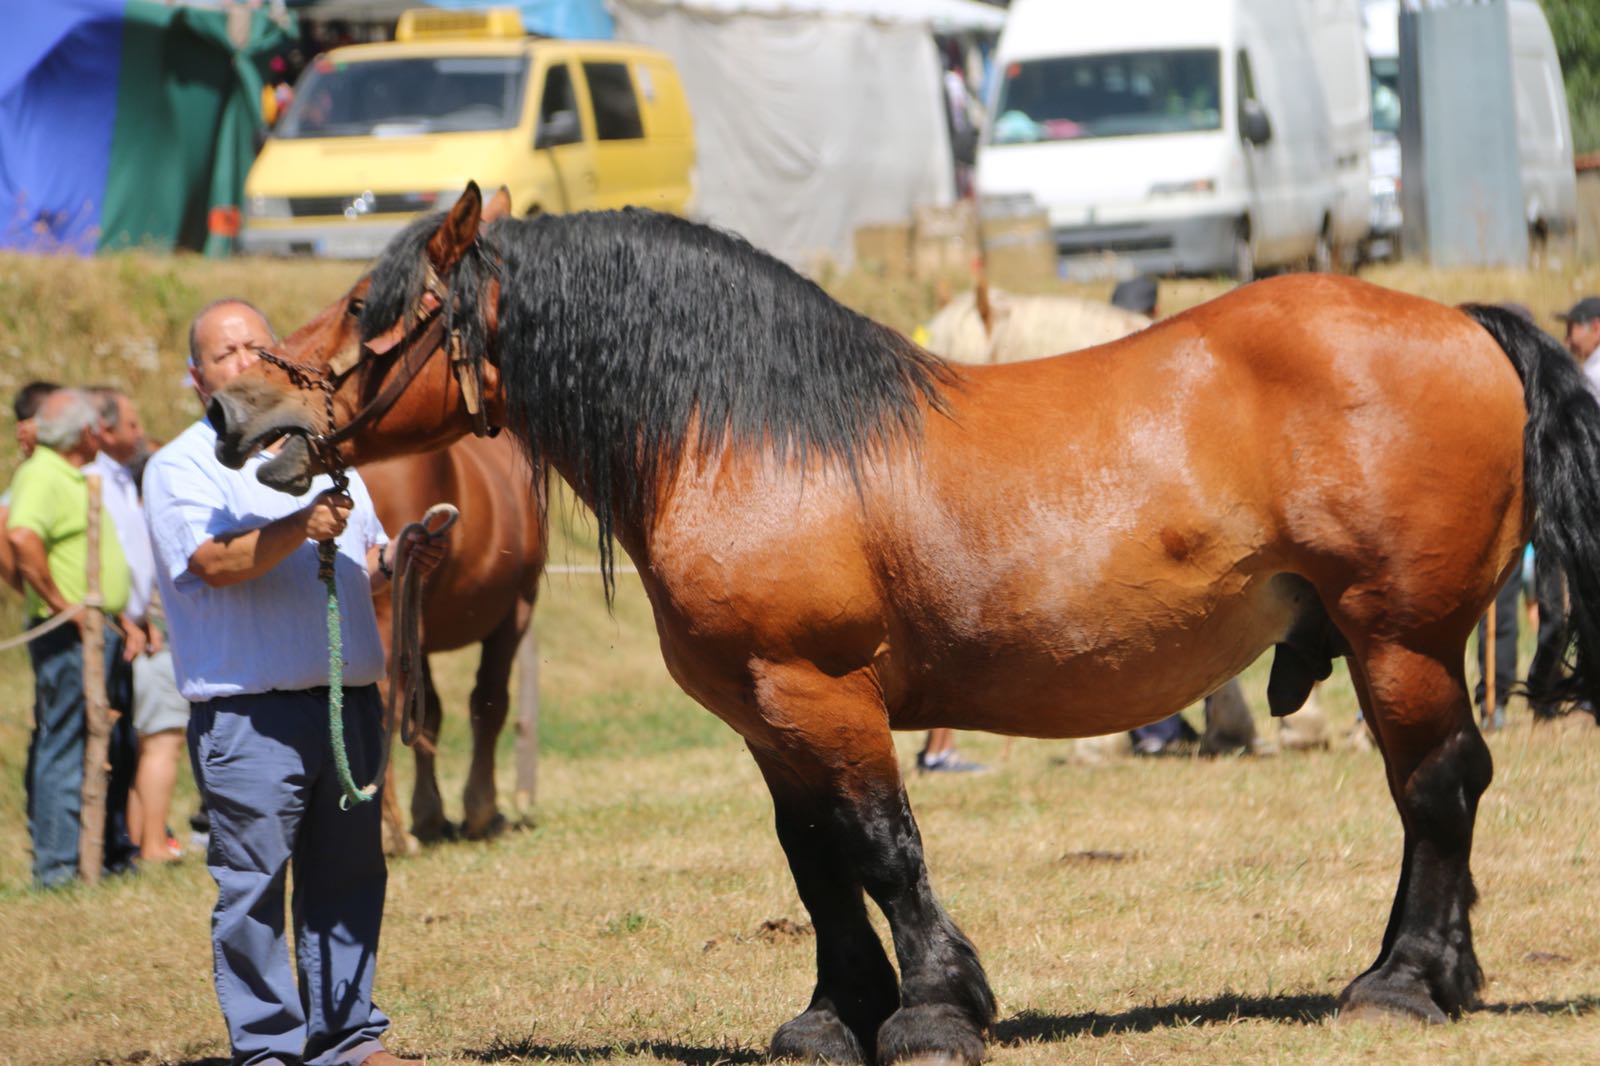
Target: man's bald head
<point>224,340</point>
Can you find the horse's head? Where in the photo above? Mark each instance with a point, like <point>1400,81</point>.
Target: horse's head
<point>398,364</point>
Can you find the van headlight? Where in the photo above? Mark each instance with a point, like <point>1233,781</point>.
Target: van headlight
<point>268,206</point>
<point>1183,188</point>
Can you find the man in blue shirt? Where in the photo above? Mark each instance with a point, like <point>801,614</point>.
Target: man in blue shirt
<point>236,563</point>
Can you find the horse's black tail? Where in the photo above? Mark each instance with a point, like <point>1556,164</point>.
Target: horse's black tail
<point>1561,487</point>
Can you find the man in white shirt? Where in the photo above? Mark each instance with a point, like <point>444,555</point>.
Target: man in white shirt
<point>236,564</point>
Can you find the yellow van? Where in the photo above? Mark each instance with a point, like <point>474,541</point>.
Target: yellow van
<point>379,133</point>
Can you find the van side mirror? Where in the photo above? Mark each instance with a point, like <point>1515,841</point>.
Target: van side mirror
<point>558,129</point>
<point>1254,125</point>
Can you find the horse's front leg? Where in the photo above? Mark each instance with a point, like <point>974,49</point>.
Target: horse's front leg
<point>1438,766</point>
<point>856,987</point>
<point>846,825</point>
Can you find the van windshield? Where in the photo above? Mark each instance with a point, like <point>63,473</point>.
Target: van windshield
<point>1109,95</point>
<point>1386,95</point>
<point>394,97</point>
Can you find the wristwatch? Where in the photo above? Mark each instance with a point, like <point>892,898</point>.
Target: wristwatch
<point>383,561</point>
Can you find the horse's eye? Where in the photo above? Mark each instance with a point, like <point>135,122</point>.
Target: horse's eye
<point>356,307</point>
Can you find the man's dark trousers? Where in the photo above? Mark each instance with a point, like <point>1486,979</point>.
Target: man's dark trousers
<point>54,777</point>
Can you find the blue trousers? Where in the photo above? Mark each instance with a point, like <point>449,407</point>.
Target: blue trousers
<point>54,776</point>
<point>264,765</point>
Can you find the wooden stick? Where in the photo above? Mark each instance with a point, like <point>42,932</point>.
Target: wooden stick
<point>527,786</point>
<point>97,739</point>
<point>1488,664</point>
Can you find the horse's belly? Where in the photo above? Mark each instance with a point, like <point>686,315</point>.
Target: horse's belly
<point>1128,667</point>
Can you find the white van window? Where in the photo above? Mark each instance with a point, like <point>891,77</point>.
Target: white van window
<point>1386,94</point>
<point>443,94</point>
<point>616,110</point>
<point>1109,95</point>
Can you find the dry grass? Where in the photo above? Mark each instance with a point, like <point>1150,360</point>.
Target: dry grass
<point>628,927</point>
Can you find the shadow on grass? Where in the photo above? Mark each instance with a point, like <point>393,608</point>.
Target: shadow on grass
<point>1021,1028</point>
<point>1029,1026</point>
<point>1580,1006</point>
<point>519,1050</point>
<point>1300,1010</point>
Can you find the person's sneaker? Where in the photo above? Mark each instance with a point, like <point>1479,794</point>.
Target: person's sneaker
<point>948,761</point>
<point>1149,746</point>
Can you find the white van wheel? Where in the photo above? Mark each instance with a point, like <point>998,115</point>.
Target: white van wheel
<point>1244,257</point>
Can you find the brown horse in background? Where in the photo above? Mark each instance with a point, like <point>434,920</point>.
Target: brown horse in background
<point>482,594</point>
<point>841,535</point>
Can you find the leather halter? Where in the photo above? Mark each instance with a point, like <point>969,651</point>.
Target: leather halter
<point>430,331</point>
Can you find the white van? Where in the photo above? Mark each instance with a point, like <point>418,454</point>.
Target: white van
<point>1544,131</point>
<point>1184,136</point>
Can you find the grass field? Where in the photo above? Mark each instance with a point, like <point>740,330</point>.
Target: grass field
<point>1148,911</point>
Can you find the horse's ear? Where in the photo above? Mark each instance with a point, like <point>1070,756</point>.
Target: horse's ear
<point>499,205</point>
<point>458,230</point>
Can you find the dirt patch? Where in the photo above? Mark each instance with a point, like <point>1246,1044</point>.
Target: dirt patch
<point>771,931</point>
<point>1095,856</point>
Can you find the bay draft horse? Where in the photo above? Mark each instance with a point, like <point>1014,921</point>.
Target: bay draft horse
<point>482,594</point>
<point>841,535</point>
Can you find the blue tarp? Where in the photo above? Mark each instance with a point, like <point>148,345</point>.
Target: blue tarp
<point>59,65</point>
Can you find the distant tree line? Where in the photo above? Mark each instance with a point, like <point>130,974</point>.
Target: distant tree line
<point>1575,24</point>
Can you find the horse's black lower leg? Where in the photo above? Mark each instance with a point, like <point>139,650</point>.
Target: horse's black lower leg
<point>946,1005</point>
<point>856,987</point>
<point>1427,968</point>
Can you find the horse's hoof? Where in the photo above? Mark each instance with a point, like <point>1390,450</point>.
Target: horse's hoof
<point>496,825</point>
<point>815,1036</point>
<point>1370,999</point>
<point>934,1034</point>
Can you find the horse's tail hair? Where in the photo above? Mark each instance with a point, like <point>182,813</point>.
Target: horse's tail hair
<point>1561,489</point>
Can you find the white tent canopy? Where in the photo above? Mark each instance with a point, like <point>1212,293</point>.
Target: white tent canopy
<point>945,16</point>
<point>812,117</point>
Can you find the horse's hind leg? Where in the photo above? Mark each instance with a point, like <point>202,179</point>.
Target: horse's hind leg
<point>846,824</point>
<point>427,806</point>
<point>490,699</point>
<point>1438,766</point>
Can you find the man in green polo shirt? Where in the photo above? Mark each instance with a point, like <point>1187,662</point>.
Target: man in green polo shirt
<point>48,530</point>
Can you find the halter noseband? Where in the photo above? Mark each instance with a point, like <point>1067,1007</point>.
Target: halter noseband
<point>431,330</point>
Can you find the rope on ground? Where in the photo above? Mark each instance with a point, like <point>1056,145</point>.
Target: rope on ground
<point>60,619</point>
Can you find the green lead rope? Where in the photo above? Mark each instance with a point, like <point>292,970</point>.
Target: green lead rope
<point>352,793</point>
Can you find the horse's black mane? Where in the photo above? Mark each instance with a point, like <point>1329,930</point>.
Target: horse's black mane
<point>620,333</point>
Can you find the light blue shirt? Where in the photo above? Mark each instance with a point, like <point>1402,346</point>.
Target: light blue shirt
<point>120,496</point>
<point>271,632</point>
